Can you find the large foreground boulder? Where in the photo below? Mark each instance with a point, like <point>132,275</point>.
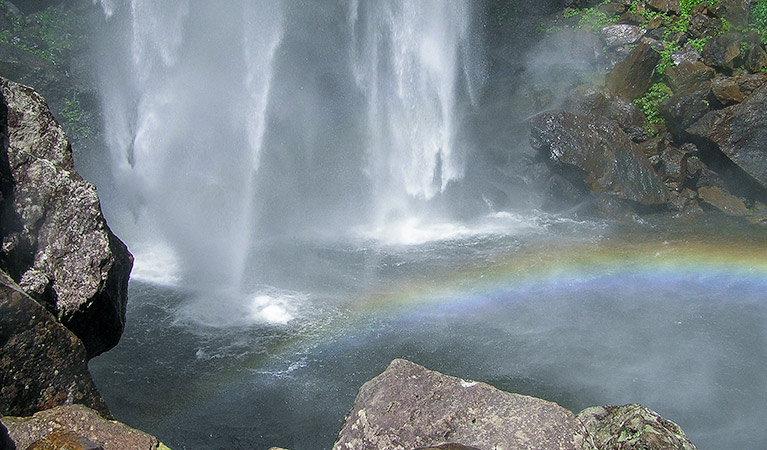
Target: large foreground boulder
<point>595,152</point>
<point>632,427</point>
<point>42,364</point>
<point>76,423</point>
<point>409,407</point>
<point>740,133</point>
<point>55,241</point>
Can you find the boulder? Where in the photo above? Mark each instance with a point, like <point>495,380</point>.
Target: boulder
<point>723,201</point>
<point>76,422</point>
<point>739,132</point>
<point>687,107</point>
<point>726,91</point>
<point>722,51</point>
<point>632,427</point>
<point>596,152</point>
<point>408,406</point>
<point>665,6</point>
<point>55,241</point>
<point>621,34</point>
<point>631,77</point>
<point>688,75</point>
<point>42,364</point>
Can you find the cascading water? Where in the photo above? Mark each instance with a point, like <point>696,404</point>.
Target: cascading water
<point>185,107</point>
<point>232,123</point>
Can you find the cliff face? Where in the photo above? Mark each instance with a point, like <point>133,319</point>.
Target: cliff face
<point>55,241</point>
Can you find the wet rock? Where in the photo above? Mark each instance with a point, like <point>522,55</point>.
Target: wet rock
<point>702,25</point>
<point>451,446</point>
<point>749,82</point>
<point>726,91</point>
<point>665,6</point>
<point>77,420</point>
<point>42,364</point>
<point>560,194</point>
<point>722,51</point>
<point>734,11</point>
<point>672,165</point>
<point>5,441</point>
<point>621,34</point>
<point>622,111</point>
<point>408,406</point>
<point>686,54</point>
<point>688,75</point>
<point>723,201</point>
<point>739,132</point>
<point>687,107</point>
<point>596,153</point>
<point>684,201</point>
<point>754,56</point>
<point>632,427</point>
<point>631,77</point>
<point>55,239</point>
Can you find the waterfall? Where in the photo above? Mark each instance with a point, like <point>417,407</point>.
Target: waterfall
<point>230,122</point>
<point>185,111</point>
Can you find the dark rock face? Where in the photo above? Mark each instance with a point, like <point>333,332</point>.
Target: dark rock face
<point>740,133</point>
<point>632,427</point>
<point>631,77</point>
<point>722,51</point>
<point>55,241</point>
<point>597,152</point>
<point>688,75</point>
<point>80,423</point>
<point>42,364</point>
<point>686,108</point>
<point>409,406</point>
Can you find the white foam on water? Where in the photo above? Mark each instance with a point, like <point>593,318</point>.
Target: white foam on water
<point>413,231</point>
<point>156,264</point>
<point>227,309</point>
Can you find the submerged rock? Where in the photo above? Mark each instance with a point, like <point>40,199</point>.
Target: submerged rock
<point>78,423</point>
<point>632,427</point>
<point>42,364</point>
<point>55,241</point>
<point>408,406</point>
<point>596,152</point>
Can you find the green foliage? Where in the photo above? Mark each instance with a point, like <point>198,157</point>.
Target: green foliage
<point>651,101</point>
<point>58,30</point>
<point>595,19</point>
<point>698,44</point>
<point>688,5</point>
<point>74,116</point>
<point>758,20</point>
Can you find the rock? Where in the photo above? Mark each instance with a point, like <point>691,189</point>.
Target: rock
<point>596,152</point>
<point>54,238</point>
<point>80,422</point>
<point>739,132</point>
<point>684,201</point>
<point>631,77</point>
<point>408,406</point>
<point>64,440</point>
<point>451,446</point>
<point>726,91</point>
<point>749,82</point>
<point>672,165</point>
<point>632,427</point>
<point>560,194</point>
<point>754,56</point>
<point>42,364</point>
<point>722,51</point>
<point>665,6</point>
<point>5,441</point>
<point>688,75</point>
<point>723,201</point>
<point>702,26</point>
<point>624,112</point>
<point>686,54</point>
<point>687,107</point>
<point>621,34</point>
<point>734,11</point>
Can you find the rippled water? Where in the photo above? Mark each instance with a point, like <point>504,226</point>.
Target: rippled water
<point>579,313</point>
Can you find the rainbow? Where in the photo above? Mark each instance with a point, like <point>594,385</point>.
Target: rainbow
<point>705,256</point>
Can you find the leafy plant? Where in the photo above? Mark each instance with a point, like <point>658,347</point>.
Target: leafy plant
<point>74,116</point>
<point>651,101</point>
<point>758,20</point>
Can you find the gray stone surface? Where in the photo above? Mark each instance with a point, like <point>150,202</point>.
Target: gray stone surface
<point>408,406</point>
<point>81,421</point>
<point>55,241</point>
<point>42,364</point>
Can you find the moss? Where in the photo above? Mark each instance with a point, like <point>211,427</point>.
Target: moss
<point>758,19</point>
<point>74,117</point>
